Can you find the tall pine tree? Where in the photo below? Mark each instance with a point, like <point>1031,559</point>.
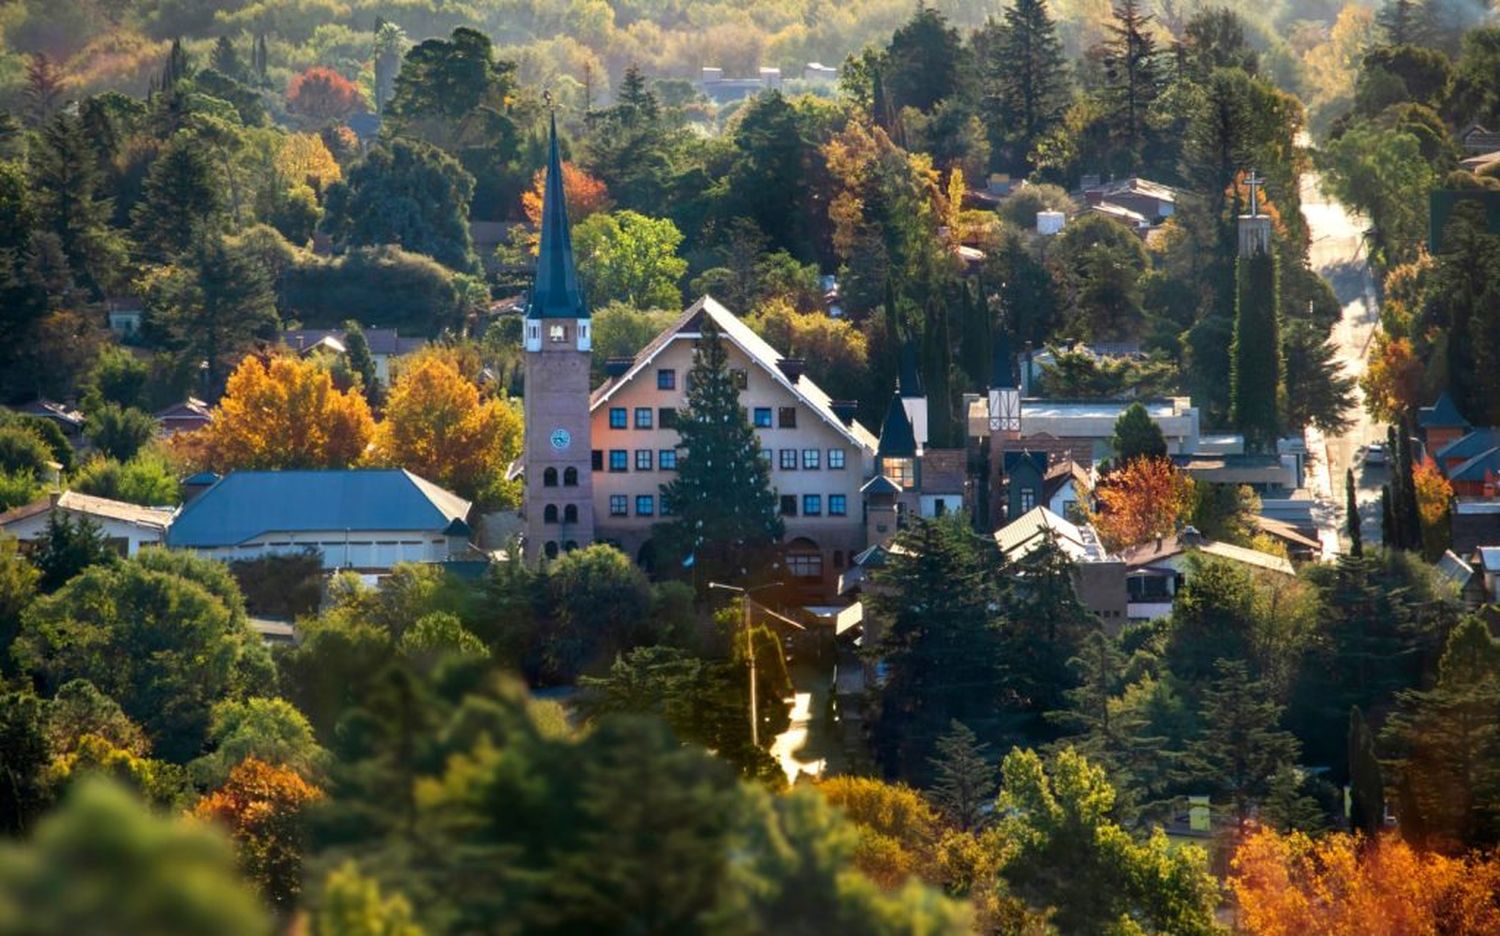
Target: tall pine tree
<point>1133,71</point>
<point>1367,789</point>
<point>724,513</point>
<point>1026,83</point>
<point>963,779</point>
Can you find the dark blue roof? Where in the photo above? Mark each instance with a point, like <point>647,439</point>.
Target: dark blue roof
<point>1468,445</point>
<point>556,293</point>
<point>1478,468</point>
<point>1442,414</point>
<point>896,436</point>
<point>247,504</point>
<point>909,377</point>
<point>1011,461</point>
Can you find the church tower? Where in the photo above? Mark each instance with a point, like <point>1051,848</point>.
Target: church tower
<point>558,496</point>
<point>1255,351</point>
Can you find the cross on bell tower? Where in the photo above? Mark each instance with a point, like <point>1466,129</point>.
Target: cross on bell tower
<point>1255,228</point>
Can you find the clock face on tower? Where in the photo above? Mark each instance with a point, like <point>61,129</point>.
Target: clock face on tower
<point>561,438</point>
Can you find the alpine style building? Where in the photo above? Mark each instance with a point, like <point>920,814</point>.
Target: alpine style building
<point>558,488</point>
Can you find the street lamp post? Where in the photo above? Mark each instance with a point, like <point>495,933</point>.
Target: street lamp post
<point>749,648</point>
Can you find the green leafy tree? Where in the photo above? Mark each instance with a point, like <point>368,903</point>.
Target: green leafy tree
<point>357,351</point>
<point>768,182</point>
<point>939,646</point>
<point>23,450</point>
<point>1137,436</point>
<point>333,667</point>
<point>963,779</point>
<point>123,869</point>
<point>1240,748</point>
<point>18,586</point>
<point>117,377</point>
<point>724,514</point>
<point>409,193</point>
<point>601,605</point>
<point>1069,854</point>
<point>147,479</point>
<point>23,785</point>
<point>183,200</point>
<point>353,905</point>
<point>1025,83</point>
<point>1214,617</point>
<point>924,63</point>
<point>269,730</point>
<point>1382,174</point>
<point>153,633</point>
<point>631,258</point>
<point>120,432</point>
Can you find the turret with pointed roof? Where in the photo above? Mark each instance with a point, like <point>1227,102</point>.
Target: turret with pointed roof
<point>896,438</point>
<point>911,392</point>
<point>557,293</point>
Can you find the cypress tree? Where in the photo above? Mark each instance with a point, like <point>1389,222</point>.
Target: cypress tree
<point>1255,352</point>
<point>938,355</point>
<point>357,349</point>
<point>963,780</point>
<point>1366,789</point>
<point>1351,508</point>
<point>1410,516</point>
<point>1387,519</point>
<point>724,513</point>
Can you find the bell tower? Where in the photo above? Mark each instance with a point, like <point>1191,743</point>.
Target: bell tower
<point>558,494</point>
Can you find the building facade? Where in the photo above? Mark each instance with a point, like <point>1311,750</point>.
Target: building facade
<point>819,458</point>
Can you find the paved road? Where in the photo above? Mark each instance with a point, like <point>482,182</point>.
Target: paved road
<point>1337,252</point>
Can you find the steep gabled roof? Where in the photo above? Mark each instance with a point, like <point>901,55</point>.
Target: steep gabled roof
<point>1023,535</point>
<point>557,293</point>
<point>1468,445</point>
<point>896,437</point>
<point>1442,414</point>
<point>909,376</point>
<point>247,504</point>
<point>736,332</point>
<point>1478,468</point>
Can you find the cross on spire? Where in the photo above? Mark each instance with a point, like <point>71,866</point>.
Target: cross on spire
<point>1254,184</point>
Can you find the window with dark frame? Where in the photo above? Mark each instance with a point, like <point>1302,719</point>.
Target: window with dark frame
<point>835,459</point>
<point>838,505</point>
<point>619,460</point>
<point>812,505</point>
<point>762,417</point>
<point>645,505</point>
<point>789,459</point>
<point>812,459</point>
<point>618,417</point>
<point>618,505</point>
<point>789,505</point>
<point>666,379</point>
<point>786,417</point>
<point>642,459</point>
<point>666,459</point>
<point>643,417</point>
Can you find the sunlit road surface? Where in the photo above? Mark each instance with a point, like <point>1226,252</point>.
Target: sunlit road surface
<point>1337,253</point>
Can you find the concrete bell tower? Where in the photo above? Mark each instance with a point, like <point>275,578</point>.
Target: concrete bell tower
<point>558,494</point>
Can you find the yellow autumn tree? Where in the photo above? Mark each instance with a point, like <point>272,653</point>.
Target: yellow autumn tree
<point>304,159</point>
<point>1393,380</point>
<point>1140,501</point>
<point>283,413</point>
<point>1434,495</point>
<point>1338,885</point>
<point>438,426</point>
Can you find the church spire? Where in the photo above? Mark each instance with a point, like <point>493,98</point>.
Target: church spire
<point>556,293</point>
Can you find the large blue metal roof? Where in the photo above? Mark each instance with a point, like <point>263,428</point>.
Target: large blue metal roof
<point>247,504</point>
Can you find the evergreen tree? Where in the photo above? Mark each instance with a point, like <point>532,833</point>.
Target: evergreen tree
<point>1318,391</point>
<point>225,60</point>
<point>261,59</point>
<point>390,41</point>
<point>976,341</point>
<point>724,514</point>
<point>67,187</point>
<point>1044,626</point>
<point>176,69</point>
<point>924,62</point>
<point>630,147</point>
<point>1255,353</point>
<point>182,202</point>
<point>1026,83</point>
<point>357,350</point>
<point>940,649</point>
<point>1241,748</point>
<point>937,353</point>
<point>1133,76</point>
<point>1367,789</point>
<point>963,779</point>
<point>1402,22</point>
<point>1447,744</point>
<point>68,547</point>
<point>23,783</point>
<point>1137,436</point>
<point>1351,515</point>
<point>1409,518</point>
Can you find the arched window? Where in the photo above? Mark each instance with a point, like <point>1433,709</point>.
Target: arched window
<point>803,559</point>
<point>569,546</point>
<point>549,515</point>
<point>570,477</point>
<point>549,478</point>
<point>550,549</point>
<point>570,513</point>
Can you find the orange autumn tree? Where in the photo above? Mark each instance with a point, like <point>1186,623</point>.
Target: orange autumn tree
<point>323,95</point>
<point>1143,500</point>
<point>438,426</point>
<point>283,413</point>
<point>1339,885</point>
<point>263,805</point>
<point>586,195</point>
<point>1434,494</point>
<point>1393,380</point>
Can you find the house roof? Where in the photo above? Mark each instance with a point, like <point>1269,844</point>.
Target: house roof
<point>1442,414</point>
<point>1023,535</point>
<point>1475,442</point>
<point>880,484</point>
<point>247,504</point>
<point>155,518</point>
<point>557,293</point>
<point>1120,213</point>
<point>385,341</point>
<point>896,436</point>
<point>687,328</point>
<point>1478,468</point>
<point>1165,548</point>
<point>1061,475</point>
<point>1138,186</point>
<point>191,408</point>
<point>51,409</point>
<point>1489,558</point>
<point>1284,531</point>
<point>1453,569</point>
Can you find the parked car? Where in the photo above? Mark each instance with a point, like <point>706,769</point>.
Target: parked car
<point>1375,454</point>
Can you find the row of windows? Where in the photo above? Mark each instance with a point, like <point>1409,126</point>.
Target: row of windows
<point>569,513</point>
<point>786,417</point>
<point>619,460</point>
<point>812,505</point>
<point>645,505</point>
<point>619,417</point>
<point>569,477</point>
<point>810,460</point>
<point>666,379</point>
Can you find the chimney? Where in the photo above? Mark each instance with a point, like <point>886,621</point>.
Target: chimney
<point>1190,536</point>
<point>845,410</point>
<point>617,366</point>
<point>791,367</point>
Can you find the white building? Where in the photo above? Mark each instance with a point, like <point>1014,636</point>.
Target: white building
<point>126,527</point>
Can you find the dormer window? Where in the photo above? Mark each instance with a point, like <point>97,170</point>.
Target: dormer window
<point>557,333</point>
<point>900,470</point>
